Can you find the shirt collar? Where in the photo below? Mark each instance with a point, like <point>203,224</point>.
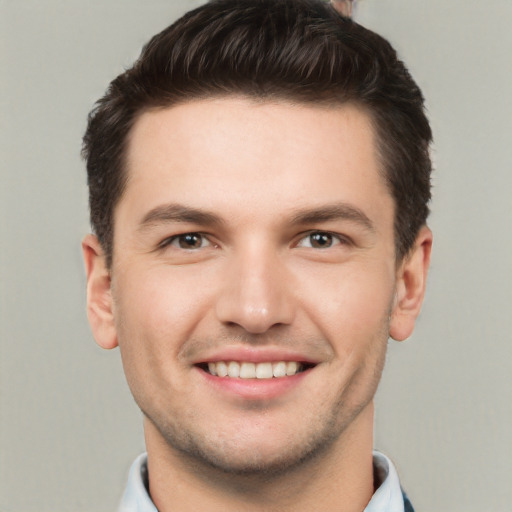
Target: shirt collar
<point>387,498</point>
<point>136,496</point>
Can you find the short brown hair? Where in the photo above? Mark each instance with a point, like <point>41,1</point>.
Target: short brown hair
<point>297,50</point>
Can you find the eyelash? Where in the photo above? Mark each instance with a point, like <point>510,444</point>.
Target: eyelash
<point>341,240</point>
<point>169,241</point>
<point>336,239</point>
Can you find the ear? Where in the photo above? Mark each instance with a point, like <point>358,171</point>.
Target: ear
<point>99,296</point>
<point>410,286</point>
<point>344,7</point>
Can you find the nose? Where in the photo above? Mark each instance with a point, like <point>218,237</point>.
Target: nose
<point>256,293</point>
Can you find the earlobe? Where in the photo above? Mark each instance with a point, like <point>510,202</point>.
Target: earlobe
<point>410,286</point>
<point>99,296</point>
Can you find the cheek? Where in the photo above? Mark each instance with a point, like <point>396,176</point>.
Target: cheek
<point>351,307</point>
<point>160,301</point>
<point>152,319</point>
<point>157,310</point>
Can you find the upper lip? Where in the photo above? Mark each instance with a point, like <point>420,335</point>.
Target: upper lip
<point>254,355</point>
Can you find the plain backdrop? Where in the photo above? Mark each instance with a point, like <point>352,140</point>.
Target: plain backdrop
<point>69,428</point>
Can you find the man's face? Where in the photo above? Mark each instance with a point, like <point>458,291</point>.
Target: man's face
<point>257,236</point>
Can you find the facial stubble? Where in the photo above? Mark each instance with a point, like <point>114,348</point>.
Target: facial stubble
<point>209,455</point>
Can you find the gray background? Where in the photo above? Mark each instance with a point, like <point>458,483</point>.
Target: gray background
<point>69,428</point>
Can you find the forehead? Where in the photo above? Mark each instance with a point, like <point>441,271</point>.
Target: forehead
<point>242,155</point>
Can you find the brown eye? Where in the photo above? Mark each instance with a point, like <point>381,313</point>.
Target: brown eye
<point>321,240</point>
<point>190,241</point>
<point>187,241</point>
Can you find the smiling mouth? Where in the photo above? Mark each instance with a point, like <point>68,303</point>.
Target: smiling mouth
<point>248,370</point>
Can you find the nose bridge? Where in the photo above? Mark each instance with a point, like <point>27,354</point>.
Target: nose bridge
<point>256,293</point>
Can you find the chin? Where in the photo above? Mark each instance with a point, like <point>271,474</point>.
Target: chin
<point>258,462</point>
<point>252,453</point>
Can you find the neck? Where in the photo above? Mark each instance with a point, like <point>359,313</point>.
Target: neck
<point>341,479</point>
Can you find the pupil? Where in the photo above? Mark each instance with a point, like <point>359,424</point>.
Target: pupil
<point>321,240</point>
<point>191,241</point>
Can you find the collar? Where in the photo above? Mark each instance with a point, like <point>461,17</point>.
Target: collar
<point>387,498</point>
<point>136,496</point>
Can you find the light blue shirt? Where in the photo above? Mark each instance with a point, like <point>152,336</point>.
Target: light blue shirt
<point>387,498</point>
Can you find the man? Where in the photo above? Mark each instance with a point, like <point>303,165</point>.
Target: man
<point>259,182</point>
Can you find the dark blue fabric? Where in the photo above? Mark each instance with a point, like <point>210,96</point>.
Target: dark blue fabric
<point>407,503</point>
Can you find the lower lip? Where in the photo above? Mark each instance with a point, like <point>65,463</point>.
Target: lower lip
<point>254,389</point>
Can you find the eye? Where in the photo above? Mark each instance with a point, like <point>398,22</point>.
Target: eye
<point>320,240</point>
<point>187,241</point>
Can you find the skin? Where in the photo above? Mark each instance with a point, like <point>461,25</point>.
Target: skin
<point>344,7</point>
<point>274,178</point>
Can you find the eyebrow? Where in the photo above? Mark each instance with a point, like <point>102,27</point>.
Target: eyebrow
<point>178,213</point>
<point>338,211</point>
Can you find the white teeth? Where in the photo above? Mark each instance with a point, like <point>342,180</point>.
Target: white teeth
<point>222,369</point>
<point>233,369</point>
<point>279,369</point>
<point>244,370</point>
<point>264,371</point>
<point>248,371</point>
<point>291,368</point>
<point>212,368</point>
